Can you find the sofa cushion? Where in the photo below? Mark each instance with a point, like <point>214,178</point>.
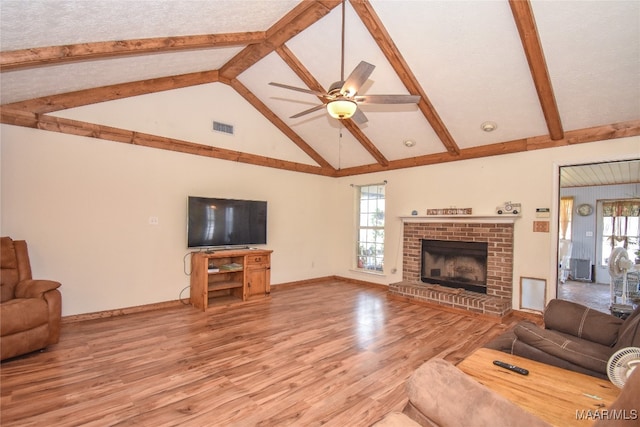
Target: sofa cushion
<point>529,352</point>
<point>582,322</point>
<point>581,352</point>
<point>21,314</point>
<point>449,397</point>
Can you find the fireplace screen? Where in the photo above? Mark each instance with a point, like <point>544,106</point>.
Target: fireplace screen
<point>455,264</point>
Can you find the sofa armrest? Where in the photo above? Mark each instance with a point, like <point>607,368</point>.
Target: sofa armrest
<point>581,352</point>
<point>35,288</point>
<point>626,404</point>
<point>582,322</point>
<point>448,397</point>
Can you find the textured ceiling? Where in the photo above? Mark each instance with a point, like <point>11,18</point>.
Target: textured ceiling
<point>466,56</point>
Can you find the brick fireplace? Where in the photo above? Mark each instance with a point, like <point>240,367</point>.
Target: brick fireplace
<point>498,234</point>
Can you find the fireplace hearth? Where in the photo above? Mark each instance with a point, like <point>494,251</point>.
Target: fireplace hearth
<point>455,264</point>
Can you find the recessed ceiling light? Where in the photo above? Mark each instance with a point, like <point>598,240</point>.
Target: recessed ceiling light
<point>409,142</point>
<point>489,126</point>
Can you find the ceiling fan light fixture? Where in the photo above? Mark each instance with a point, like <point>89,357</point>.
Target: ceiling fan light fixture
<point>342,108</point>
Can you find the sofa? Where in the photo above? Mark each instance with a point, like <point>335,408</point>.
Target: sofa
<point>442,395</point>
<point>573,337</point>
<point>30,310</point>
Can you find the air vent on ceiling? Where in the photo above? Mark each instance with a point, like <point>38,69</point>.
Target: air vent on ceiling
<point>223,127</point>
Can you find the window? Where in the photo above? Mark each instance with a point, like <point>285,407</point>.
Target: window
<point>620,227</point>
<point>370,220</point>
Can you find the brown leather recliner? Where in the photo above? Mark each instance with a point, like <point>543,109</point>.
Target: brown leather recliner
<point>574,337</point>
<point>30,310</point>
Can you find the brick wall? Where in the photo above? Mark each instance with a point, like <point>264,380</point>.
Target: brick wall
<point>499,238</point>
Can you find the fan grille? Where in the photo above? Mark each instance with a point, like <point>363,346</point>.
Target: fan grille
<point>621,364</point>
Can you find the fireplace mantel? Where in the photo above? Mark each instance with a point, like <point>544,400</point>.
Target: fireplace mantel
<point>487,219</point>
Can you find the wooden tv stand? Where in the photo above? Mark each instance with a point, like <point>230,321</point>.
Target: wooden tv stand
<point>226,276</point>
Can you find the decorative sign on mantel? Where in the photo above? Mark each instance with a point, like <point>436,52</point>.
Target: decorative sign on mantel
<point>450,211</point>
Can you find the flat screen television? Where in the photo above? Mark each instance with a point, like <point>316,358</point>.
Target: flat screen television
<point>225,222</point>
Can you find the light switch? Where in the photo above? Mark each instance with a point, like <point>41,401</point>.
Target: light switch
<point>589,233</point>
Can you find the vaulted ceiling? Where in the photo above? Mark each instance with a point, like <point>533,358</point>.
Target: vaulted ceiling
<point>158,73</point>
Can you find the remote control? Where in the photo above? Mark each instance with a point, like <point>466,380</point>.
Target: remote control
<point>513,368</point>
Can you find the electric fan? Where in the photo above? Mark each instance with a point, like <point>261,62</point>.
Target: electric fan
<point>619,264</point>
<point>621,364</point>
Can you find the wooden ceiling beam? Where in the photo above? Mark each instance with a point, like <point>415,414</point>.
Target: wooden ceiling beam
<point>580,136</point>
<point>34,57</point>
<point>305,14</point>
<point>352,127</point>
<point>525,21</point>
<point>301,71</point>
<point>277,122</point>
<point>305,75</point>
<point>49,104</point>
<point>380,34</point>
<point>91,130</point>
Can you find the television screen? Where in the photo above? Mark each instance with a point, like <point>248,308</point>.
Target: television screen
<point>226,222</point>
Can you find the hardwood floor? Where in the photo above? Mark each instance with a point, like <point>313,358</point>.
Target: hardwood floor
<point>330,353</point>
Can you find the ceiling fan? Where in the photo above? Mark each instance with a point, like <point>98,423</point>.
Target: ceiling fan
<point>342,98</point>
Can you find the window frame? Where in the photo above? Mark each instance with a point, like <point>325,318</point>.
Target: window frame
<point>610,236</point>
<point>370,260</point>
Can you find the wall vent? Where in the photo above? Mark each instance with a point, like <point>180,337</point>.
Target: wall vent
<point>223,127</point>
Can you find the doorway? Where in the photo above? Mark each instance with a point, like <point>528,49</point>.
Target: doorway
<point>586,193</point>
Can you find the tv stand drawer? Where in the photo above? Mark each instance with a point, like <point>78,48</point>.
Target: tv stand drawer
<point>257,261</point>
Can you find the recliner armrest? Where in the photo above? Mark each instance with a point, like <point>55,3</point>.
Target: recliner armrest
<point>581,352</point>
<point>35,288</point>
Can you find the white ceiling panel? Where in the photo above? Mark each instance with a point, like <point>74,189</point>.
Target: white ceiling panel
<point>485,78</point>
<point>593,55</point>
<point>27,24</point>
<point>63,78</point>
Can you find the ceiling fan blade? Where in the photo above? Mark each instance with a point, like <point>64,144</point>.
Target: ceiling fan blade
<point>357,78</point>
<point>387,99</point>
<point>310,110</point>
<point>299,89</point>
<point>359,117</point>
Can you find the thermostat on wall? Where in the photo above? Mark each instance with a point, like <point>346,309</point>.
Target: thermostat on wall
<point>542,213</point>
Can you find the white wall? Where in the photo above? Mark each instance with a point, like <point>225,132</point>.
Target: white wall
<point>83,206</point>
<point>530,178</point>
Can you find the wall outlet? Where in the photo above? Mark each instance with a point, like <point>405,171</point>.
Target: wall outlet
<point>153,220</point>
